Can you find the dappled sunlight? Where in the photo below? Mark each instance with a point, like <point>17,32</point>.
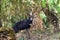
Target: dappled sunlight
<point>30,20</point>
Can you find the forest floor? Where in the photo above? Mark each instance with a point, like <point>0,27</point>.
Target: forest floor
<point>36,35</point>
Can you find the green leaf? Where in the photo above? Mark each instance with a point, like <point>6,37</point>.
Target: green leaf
<point>43,3</point>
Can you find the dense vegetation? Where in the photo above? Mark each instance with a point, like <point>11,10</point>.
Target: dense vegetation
<point>46,14</point>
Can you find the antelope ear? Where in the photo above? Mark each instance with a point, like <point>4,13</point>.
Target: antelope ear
<point>30,13</point>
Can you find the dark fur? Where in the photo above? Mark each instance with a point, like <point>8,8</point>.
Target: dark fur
<point>21,25</point>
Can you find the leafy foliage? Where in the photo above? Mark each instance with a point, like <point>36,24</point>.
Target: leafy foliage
<point>12,11</point>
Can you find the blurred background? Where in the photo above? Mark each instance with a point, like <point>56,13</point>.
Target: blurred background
<point>46,21</point>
